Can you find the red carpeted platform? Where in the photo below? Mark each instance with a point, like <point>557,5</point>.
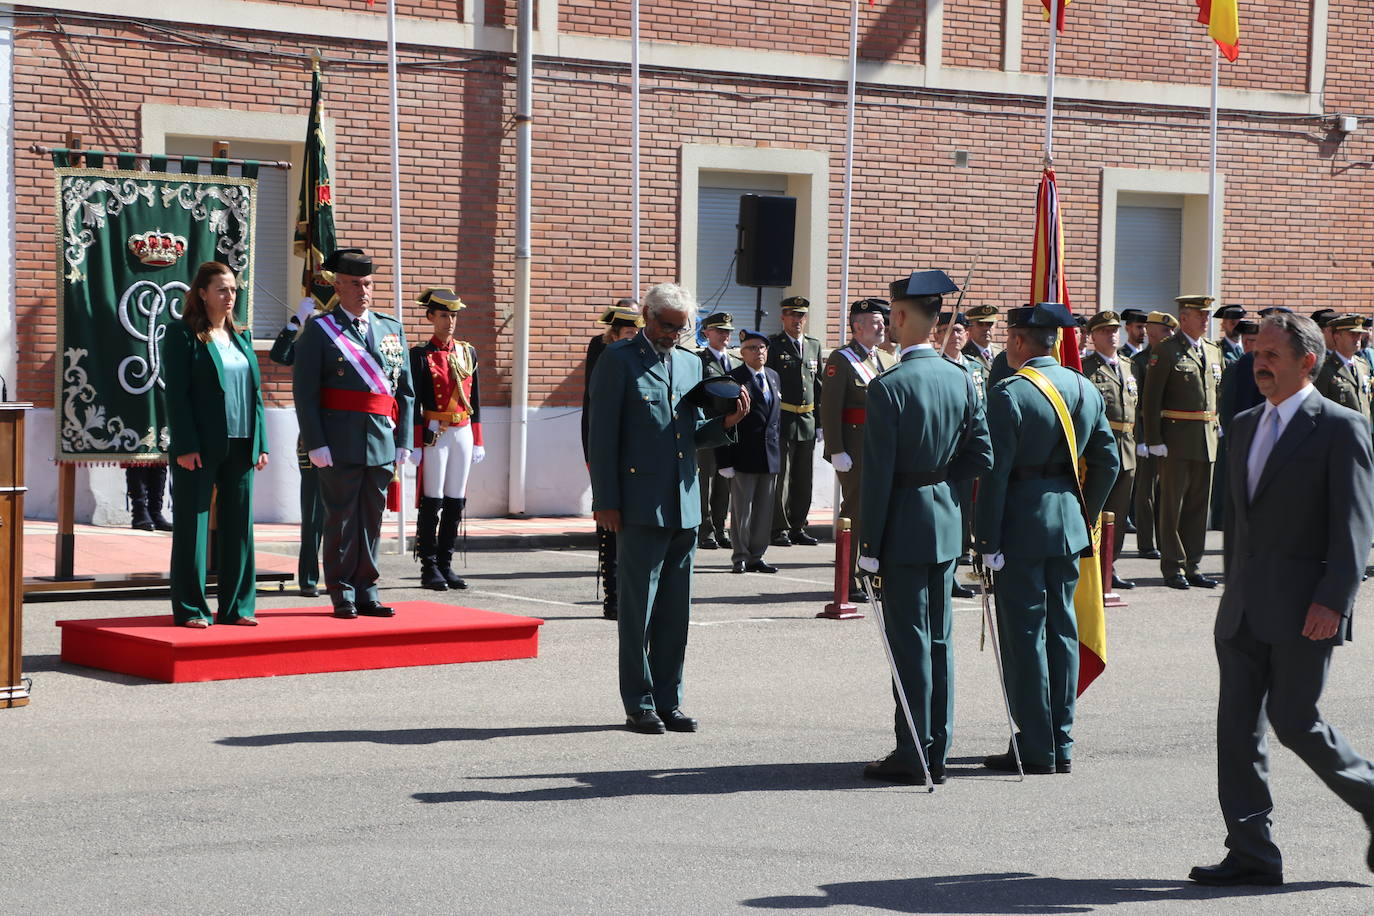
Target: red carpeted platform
<point>299,641</point>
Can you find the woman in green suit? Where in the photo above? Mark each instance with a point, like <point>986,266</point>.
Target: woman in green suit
<point>218,438</point>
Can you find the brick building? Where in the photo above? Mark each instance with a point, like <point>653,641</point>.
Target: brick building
<point>738,95</point>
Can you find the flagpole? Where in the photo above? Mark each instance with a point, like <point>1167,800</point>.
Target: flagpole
<point>1049,83</point>
<point>634,149</point>
<point>848,207</point>
<point>520,317</point>
<point>398,285</point>
<point>1212,178</point>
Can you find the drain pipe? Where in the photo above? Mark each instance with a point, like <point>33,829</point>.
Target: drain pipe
<point>520,362</point>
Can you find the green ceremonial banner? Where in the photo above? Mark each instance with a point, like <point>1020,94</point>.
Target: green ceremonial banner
<point>314,240</point>
<point>128,245</point>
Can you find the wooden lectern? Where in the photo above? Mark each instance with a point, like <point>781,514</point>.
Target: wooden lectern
<point>13,691</point>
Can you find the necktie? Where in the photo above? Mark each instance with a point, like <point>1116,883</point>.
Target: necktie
<point>763,386</point>
<point>1265,437</point>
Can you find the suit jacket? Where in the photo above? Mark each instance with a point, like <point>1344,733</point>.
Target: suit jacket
<point>1304,537</point>
<point>642,437</point>
<point>1040,517</point>
<point>1230,350</point>
<point>756,449</point>
<point>920,420</point>
<point>1177,377</point>
<point>353,437</point>
<point>1119,392</point>
<point>196,421</point>
<point>801,383</point>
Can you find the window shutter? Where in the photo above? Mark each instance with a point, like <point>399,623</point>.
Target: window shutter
<point>1149,252</point>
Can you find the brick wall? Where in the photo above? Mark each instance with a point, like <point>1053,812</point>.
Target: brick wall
<point>973,34</point>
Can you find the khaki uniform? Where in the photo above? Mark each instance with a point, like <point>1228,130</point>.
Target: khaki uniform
<point>1117,385</point>
<point>1179,410</point>
<point>799,371</point>
<point>844,411</point>
<point>972,351</point>
<point>1348,386</point>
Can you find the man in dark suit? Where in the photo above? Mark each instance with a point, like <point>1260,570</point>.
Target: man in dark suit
<point>1298,528</point>
<point>751,463</point>
<point>716,360</point>
<point>354,401</point>
<point>642,444</point>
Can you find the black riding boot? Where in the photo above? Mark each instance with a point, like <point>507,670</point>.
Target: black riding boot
<point>426,525</point>
<point>156,477</point>
<point>606,568</point>
<point>448,534</point>
<point>137,484</point>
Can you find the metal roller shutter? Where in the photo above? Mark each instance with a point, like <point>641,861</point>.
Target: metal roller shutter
<point>1149,252</point>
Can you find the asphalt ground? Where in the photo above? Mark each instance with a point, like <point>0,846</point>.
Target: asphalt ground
<point>511,787</point>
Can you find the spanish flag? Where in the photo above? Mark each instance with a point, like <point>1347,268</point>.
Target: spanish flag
<point>1049,5</point>
<point>1222,18</point>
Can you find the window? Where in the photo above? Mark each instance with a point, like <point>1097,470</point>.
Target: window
<point>1149,253</point>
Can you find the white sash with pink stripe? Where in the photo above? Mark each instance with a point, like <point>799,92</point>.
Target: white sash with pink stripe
<point>860,366</point>
<point>360,359</point>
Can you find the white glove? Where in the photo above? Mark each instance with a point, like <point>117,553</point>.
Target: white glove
<point>1142,450</point>
<point>994,561</point>
<point>842,461</point>
<point>1221,433</point>
<point>402,455</point>
<point>321,458</point>
<point>727,473</point>
<point>478,454</point>
<point>433,426</point>
<point>820,434</point>
<point>1159,451</point>
<point>868,564</point>
<point>416,455</point>
<point>303,311</point>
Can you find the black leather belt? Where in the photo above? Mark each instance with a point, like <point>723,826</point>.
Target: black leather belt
<point>1041,471</point>
<point>919,478</point>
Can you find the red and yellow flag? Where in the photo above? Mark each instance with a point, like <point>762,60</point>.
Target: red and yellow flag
<point>1049,5</point>
<point>1222,18</point>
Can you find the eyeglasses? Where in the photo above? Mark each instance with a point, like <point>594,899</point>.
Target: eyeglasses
<point>668,328</point>
<point>753,347</point>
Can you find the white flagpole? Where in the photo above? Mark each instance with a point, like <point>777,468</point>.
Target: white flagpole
<point>634,148</point>
<point>397,274</point>
<point>848,208</point>
<point>1212,179</point>
<point>1049,84</point>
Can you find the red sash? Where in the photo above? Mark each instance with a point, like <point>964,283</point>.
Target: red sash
<point>382,405</point>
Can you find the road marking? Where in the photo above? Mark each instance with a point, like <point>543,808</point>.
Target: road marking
<point>478,591</point>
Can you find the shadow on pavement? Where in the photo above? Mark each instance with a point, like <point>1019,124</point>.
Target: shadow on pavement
<point>410,735</point>
<point>1016,892</point>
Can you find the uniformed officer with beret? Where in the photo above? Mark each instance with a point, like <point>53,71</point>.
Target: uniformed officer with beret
<point>1229,341</point>
<point>1343,377</point>
<point>1179,411</point>
<point>844,400</point>
<point>1321,317</point>
<point>1115,381</point>
<point>1132,332</point>
<point>981,321</point>
<point>1033,518</point>
<point>716,361</point>
<point>1159,326</point>
<point>796,358</point>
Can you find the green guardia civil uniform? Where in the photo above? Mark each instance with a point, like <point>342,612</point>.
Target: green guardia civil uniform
<point>1115,381</point>
<point>715,490</point>
<point>798,365</point>
<point>283,353</point>
<point>926,433</point>
<point>642,442</point>
<point>1179,410</point>
<point>1028,511</point>
<point>214,408</point>
<point>1346,383</point>
<point>964,489</point>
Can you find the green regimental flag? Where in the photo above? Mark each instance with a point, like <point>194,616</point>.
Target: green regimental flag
<point>315,213</point>
<point>128,245</point>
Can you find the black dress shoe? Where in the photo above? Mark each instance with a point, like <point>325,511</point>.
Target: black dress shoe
<point>802,538</point>
<point>1006,763</point>
<point>1177,580</point>
<point>1229,872</point>
<point>1150,554</point>
<point>675,720</point>
<point>707,543</point>
<point>376,610</point>
<point>646,722</point>
<point>857,595</point>
<point>781,540</point>
<point>960,591</point>
<point>937,774</point>
<point>1130,527</point>
<point>310,591</point>
<point>723,540</point>
<point>1201,581</point>
<point>1369,856</point>
<point>737,567</point>
<point>890,769</point>
<point>964,560</point>
<point>610,610</point>
<point>760,566</point>
<point>1063,767</point>
<point>346,611</point>
<point>1118,582</point>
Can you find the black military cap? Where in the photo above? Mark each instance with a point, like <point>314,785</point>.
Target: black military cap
<point>1274,308</point>
<point>983,314</point>
<point>1106,319</point>
<point>1081,320</point>
<point>352,262</point>
<point>1369,323</point>
<point>922,284</point>
<point>440,299</point>
<point>870,307</point>
<point>959,318</point>
<point>1322,316</point>
<point>1044,315</point>
<point>1229,311</point>
<point>1247,326</point>
<point>799,304</point>
<point>720,321</point>
<point>1133,316</point>
<point>715,395</point>
<point>1346,323</point>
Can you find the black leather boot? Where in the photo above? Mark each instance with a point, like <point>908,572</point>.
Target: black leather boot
<point>448,534</point>
<point>137,483</point>
<point>156,478</point>
<point>426,525</point>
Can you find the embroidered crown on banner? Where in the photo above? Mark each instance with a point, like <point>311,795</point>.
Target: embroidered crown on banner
<point>157,248</point>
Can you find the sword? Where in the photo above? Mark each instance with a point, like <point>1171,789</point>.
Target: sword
<point>958,302</point>
<point>871,585</point>
<point>990,623</point>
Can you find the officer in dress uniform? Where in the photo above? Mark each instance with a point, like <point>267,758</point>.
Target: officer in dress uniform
<point>796,358</point>
<point>1132,333</point>
<point>844,399</point>
<point>1229,341</point>
<point>1179,415</point>
<point>1114,380</point>
<point>1343,376</point>
<point>953,340</point>
<point>448,421</point>
<point>354,402</point>
<point>1032,526</point>
<point>925,434</point>
<point>716,360</point>
<point>981,321</point>
<point>1159,326</point>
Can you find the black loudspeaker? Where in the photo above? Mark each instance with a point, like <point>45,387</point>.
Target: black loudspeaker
<point>767,230</point>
